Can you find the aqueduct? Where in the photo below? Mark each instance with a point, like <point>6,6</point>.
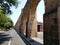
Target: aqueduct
<point>27,21</point>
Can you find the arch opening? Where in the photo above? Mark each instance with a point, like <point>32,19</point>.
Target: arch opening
<point>39,14</point>
<point>51,20</point>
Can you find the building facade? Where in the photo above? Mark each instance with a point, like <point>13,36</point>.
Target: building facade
<point>39,27</point>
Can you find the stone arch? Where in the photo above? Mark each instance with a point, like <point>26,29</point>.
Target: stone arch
<point>51,20</point>
<point>29,18</point>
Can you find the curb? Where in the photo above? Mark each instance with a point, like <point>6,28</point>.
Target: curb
<point>23,36</point>
<point>25,39</point>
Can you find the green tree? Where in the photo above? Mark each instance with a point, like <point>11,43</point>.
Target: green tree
<point>5,21</point>
<point>9,23</point>
<point>3,17</point>
<point>6,4</point>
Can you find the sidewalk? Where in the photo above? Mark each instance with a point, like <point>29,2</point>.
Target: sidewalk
<point>10,38</point>
<point>38,40</point>
<point>33,40</point>
<point>2,31</point>
<point>16,39</point>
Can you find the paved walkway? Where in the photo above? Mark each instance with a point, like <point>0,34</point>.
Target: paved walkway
<point>40,35</point>
<point>34,40</point>
<point>38,40</point>
<point>11,38</point>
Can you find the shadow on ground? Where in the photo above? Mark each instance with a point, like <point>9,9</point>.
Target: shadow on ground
<point>4,37</point>
<point>34,42</point>
<point>28,41</point>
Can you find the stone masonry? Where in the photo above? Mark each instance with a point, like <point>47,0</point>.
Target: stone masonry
<point>28,23</point>
<point>51,23</point>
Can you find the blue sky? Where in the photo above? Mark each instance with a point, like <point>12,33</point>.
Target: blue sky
<point>40,11</point>
<point>17,11</point>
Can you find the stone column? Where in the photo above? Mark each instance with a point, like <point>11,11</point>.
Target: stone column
<point>51,23</point>
<point>32,22</point>
<point>32,26</point>
<point>23,22</point>
<point>59,21</point>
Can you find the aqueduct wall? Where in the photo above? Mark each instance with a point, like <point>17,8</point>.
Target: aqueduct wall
<point>28,18</point>
<point>28,23</point>
<point>52,22</point>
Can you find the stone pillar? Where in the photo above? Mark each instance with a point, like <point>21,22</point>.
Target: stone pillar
<point>31,18</point>
<point>51,23</point>
<point>23,22</point>
<point>28,19</point>
<point>17,25</point>
<point>32,26</point>
<point>59,21</point>
<point>22,25</point>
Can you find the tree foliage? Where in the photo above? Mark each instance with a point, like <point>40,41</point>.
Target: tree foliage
<point>3,17</point>
<point>8,24</point>
<point>5,21</point>
<point>6,4</point>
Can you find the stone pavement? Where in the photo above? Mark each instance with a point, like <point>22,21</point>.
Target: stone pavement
<point>2,31</point>
<point>33,40</point>
<point>40,35</point>
<point>38,40</point>
<point>11,38</point>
